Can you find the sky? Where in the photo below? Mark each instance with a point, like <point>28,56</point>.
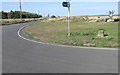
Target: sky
<point>61,0</point>
<point>55,8</point>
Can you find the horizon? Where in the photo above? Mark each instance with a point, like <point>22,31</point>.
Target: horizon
<point>55,8</point>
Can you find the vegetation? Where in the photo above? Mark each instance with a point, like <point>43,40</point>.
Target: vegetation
<point>15,21</point>
<point>53,16</point>
<point>13,17</point>
<point>16,15</point>
<point>83,32</point>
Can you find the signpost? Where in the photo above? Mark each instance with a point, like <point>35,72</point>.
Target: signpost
<point>111,16</point>
<point>67,4</point>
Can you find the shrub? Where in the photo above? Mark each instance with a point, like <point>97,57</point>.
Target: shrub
<point>53,16</point>
<point>98,16</point>
<point>116,20</point>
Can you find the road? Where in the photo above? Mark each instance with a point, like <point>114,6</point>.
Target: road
<point>23,56</point>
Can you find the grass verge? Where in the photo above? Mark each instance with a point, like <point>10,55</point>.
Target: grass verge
<point>83,33</point>
<point>16,21</point>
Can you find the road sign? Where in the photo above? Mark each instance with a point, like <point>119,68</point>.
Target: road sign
<point>67,4</point>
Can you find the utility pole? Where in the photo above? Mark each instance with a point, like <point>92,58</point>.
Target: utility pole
<point>20,9</point>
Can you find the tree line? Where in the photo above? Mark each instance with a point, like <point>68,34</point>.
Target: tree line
<point>16,15</point>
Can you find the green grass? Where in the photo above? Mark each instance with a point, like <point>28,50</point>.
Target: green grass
<point>82,33</point>
<point>30,34</point>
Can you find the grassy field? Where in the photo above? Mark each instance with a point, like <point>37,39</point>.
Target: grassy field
<point>83,32</point>
<point>15,21</point>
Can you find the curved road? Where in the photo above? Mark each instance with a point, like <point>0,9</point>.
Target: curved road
<point>22,56</point>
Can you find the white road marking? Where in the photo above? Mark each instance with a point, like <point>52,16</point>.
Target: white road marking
<point>62,45</point>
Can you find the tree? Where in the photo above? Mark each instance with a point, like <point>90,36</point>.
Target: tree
<point>4,15</point>
<point>16,15</point>
<point>11,14</point>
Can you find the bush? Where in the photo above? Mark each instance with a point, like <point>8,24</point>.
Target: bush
<point>116,20</point>
<point>98,16</point>
<point>53,16</point>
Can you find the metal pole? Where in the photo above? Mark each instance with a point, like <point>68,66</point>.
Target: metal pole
<point>104,18</point>
<point>69,21</point>
<point>20,9</point>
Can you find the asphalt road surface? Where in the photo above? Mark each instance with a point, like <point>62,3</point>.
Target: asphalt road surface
<point>23,56</point>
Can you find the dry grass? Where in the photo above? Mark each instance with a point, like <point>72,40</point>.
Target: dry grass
<point>83,33</point>
<point>86,18</point>
<point>14,21</point>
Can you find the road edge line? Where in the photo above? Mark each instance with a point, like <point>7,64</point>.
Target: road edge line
<point>61,45</point>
